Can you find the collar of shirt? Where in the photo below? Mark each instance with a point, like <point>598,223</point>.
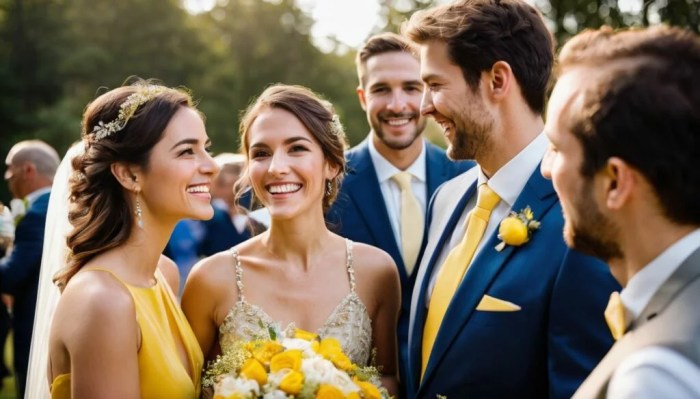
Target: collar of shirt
<point>511,178</point>
<point>385,170</point>
<point>31,197</point>
<point>643,285</point>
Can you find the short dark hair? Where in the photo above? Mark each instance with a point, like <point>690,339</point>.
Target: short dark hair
<point>479,33</point>
<point>645,109</point>
<point>386,42</point>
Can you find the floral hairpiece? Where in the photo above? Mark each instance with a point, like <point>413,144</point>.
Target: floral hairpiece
<point>126,111</point>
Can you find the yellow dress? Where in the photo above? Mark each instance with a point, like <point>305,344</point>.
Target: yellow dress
<point>161,321</point>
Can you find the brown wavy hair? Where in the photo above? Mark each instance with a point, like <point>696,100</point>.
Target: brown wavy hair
<point>99,211</point>
<point>315,113</point>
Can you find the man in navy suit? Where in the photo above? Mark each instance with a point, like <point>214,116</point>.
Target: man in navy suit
<point>368,208</point>
<point>31,166</point>
<point>522,319</point>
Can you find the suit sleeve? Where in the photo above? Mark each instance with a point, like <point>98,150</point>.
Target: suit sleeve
<point>578,335</point>
<point>22,264</point>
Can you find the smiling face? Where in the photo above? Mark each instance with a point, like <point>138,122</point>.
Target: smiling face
<point>460,110</point>
<point>286,165</point>
<point>390,95</point>
<point>176,183</point>
<point>586,226</point>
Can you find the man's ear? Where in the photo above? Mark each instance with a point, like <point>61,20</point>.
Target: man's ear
<point>361,96</point>
<point>621,181</point>
<point>126,175</point>
<point>500,80</point>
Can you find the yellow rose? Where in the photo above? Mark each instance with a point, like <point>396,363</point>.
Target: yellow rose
<point>369,391</point>
<point>263,351</point>
<point>354,395</point>
<point>290,359</point>
<point>292,382</point>
<point>330,349</point>
<point>303,334</point>
<point>513,231</point>
<point>326,391</point>
<point>254,370</point>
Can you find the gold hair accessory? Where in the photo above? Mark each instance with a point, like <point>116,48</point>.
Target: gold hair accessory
<point>126,111</point>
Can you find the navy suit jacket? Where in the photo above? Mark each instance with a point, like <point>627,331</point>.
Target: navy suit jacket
<point>220,234</point>
<point>359,213</point>
<point>544,350</point>
<point>19,276</point>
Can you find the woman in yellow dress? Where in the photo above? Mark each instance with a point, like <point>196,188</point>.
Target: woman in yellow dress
<point>117,331</point>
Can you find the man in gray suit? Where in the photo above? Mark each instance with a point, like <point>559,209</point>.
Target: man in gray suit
<point>624,126</point>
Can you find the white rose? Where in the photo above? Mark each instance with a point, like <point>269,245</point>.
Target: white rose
<point>230,385</point>
<point>17,207</point>
<point>7,223</point>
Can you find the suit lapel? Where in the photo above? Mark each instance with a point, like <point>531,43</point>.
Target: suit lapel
<point>539,195</point>
<point>424,281</point>
<point>363,189</point>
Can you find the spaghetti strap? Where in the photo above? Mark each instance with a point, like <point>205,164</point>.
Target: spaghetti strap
<point>239,274</point>
<point>351,270</point>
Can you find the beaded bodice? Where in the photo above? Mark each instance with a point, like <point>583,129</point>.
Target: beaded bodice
<point>349,322</point>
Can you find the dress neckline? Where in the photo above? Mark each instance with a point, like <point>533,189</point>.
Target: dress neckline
<point>350,297</point>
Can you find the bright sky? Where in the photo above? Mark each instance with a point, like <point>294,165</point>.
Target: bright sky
<point>350,21</point>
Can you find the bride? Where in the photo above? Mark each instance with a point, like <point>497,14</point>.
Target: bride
<point>297,273</point>
<point>116,330</point>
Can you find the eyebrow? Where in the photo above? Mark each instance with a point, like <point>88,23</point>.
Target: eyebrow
<point>430,76</point>
<point>190,141</point>
<point>287,141</point>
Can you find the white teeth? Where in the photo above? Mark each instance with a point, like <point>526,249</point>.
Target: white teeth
<point>198,189</point>
<point>284,188</point>
<point>397,122</point>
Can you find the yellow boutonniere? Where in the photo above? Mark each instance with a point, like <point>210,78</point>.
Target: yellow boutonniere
<point>517,228</point>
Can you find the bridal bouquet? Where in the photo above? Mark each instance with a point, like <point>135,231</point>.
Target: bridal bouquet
<point>300,366</point>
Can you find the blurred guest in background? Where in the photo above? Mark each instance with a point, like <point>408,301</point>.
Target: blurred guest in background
<point>31,166</point>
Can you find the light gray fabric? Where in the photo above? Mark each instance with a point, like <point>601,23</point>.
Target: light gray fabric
<point>670,320</point>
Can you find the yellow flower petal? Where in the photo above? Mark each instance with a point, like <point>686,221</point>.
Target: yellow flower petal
<point>369,391</point>
<point>254,370</point>
<point>289,359</point>
<point>292,382</point>
<point>303,334</point>
<point>326,391</point>
<point>513,231</point>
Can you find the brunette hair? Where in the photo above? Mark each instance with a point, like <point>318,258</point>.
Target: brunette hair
<point>99,211</point>
<point>315,113</point>
<point>479,33</point>
<point>645,109</point>
<point>381,43</point>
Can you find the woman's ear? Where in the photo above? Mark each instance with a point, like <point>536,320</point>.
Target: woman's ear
<point>126,175</point>
<point>331,171</point>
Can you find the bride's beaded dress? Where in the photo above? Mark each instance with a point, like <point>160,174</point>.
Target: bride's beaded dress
<point>349,322</point>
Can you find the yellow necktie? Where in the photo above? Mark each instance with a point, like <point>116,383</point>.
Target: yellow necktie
<point>616,316</point>
<point>411,221</point>
<point>455,266</point>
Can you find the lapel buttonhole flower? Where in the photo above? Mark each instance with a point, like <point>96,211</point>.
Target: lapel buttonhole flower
<point>517,228</point>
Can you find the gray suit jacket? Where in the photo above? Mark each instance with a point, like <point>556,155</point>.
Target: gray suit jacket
<point>674,304</point>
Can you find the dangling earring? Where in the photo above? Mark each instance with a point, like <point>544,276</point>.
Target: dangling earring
<point>137,212</point>
<point>329,188</point>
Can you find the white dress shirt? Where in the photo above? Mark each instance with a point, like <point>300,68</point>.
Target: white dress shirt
<point>655,371</point>
<point>391,190</point>
<point>508,182</point>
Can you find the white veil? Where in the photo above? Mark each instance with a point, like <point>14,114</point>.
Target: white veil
<point>53,258</point>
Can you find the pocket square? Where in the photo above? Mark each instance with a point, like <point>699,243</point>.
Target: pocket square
<point>491,304</point>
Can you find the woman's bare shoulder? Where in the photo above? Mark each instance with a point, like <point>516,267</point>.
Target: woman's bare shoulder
<point>374,259</point>
<point>92,303</point>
